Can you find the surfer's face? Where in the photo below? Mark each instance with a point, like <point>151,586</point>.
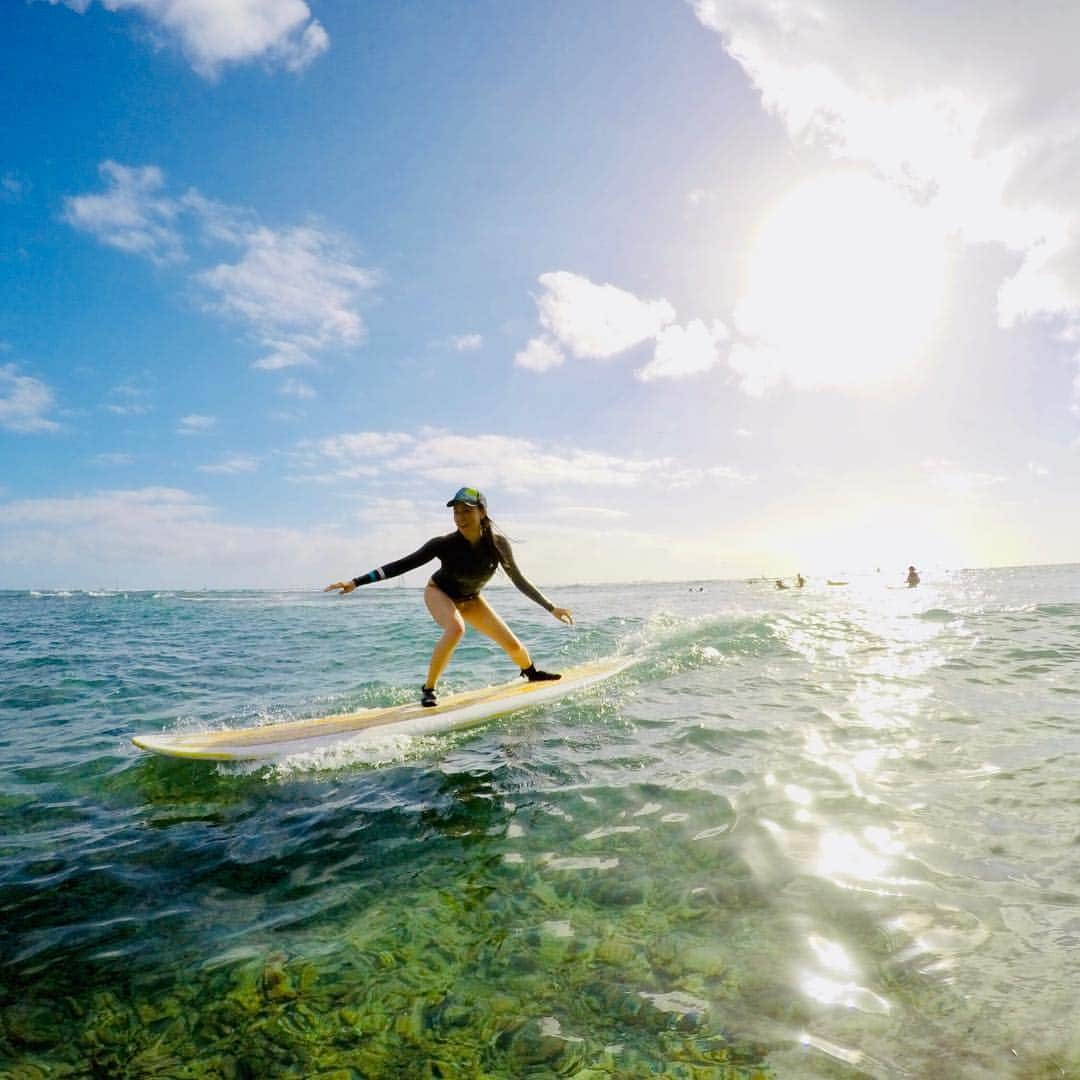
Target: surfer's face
<point>465,515</point>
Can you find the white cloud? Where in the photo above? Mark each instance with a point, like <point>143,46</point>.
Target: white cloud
<point>214,33</point>
<point>380,511</point>
<point>284,353</point>
<point>131,401</point>
<point>361,444</point>
<point>603,513</point>
<point>240,463</point>
<point>467,342</point>
<point>594,321</point>
<point>127,408</point>
<point>195,424</point>
<point>347,457</point>
<point>112,458</point>
<point>12,188</point>
<point>540,354</point>
<point>597,321</point>
<point>67,511</point>
<point>517,464</point>
<point>131,214</point>
<point>978,119</point>
<point>685,350</point>
<point>728,473</point>
<point>296,289</point>
<point>24,402</point>
<point>297,388</point>
<point>490,461</point>
<point>217,222</point>
<point>153,537</point>
<point>164,537</point>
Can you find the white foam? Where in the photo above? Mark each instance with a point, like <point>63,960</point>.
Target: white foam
<point>370,751</point>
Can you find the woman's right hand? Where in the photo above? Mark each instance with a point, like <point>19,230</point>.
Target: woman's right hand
<point>344,586</point>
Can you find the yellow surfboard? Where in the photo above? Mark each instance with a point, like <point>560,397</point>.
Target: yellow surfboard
<point>453,711</point>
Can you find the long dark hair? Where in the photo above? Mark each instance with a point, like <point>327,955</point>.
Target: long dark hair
<point>488,528</point>
<point>491,532</point>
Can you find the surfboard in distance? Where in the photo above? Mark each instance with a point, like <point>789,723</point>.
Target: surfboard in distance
<point>453,711</point>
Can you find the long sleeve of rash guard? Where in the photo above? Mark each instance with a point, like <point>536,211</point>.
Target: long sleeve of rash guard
<point>506,558</point>
<point>402,566</point>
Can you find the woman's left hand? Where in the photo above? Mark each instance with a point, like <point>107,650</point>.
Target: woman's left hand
<point>563,615</point>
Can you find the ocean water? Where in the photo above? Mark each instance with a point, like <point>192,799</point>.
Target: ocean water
<point>825,833</point>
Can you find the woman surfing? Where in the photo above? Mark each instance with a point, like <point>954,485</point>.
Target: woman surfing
<point>469,557</point>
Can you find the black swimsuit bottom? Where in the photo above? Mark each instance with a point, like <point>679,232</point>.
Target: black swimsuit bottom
<point>456,599</point>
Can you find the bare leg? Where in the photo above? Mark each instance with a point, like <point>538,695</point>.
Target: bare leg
<point>481,616</point>
<point>445,613</point>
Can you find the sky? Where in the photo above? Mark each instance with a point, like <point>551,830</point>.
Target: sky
<point>692,289</point>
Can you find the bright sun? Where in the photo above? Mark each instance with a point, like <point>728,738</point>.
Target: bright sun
<point>843,287</point>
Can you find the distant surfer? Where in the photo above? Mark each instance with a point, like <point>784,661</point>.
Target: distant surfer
<point>469,557</point>
<point>913,578</point>
<point>800,581</point>
<point>780,583</point>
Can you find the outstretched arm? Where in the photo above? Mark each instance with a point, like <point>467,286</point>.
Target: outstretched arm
<point>391,569</point>
<point>506,558</point>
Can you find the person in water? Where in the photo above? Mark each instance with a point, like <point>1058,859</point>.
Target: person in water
<point>800,581</point>
<point>913,578</point>
<point>469,557</point>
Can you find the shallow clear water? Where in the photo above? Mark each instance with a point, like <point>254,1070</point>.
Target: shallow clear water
<point>825,833</point>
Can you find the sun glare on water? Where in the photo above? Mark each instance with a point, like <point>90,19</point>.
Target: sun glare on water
<point>843,287</point>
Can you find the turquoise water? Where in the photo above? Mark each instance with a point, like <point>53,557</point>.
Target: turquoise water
<point>826,833</point>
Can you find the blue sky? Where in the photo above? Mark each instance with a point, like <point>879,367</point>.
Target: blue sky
<point>692,289</point>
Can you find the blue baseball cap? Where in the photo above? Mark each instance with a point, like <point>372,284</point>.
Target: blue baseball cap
<point>470,497</point>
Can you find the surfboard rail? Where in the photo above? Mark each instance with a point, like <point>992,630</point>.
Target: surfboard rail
<point>455,711</point>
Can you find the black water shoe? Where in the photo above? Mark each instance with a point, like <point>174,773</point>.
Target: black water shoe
<point>427,697</point>
<point>533,675</point>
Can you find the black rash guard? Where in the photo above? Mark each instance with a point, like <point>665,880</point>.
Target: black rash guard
<point>466,568</point>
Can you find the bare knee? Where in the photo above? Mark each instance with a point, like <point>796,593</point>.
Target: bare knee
<point>453,626</point>
<point>445,613</point>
